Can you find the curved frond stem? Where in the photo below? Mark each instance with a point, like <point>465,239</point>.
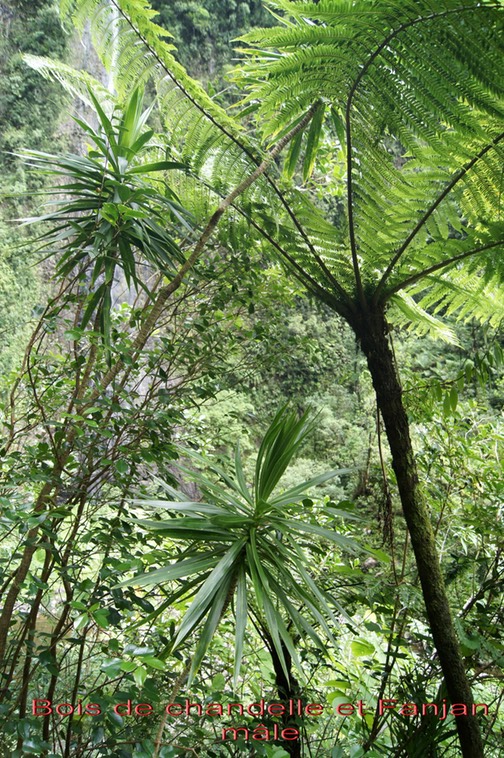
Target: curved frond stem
<point>178,84</point>
<point>246,150</point>
<point>402,28</point>
<point>348,127</point>
<point>438,266</point>
<point>304,235</point>
<point>430,210</point>
<point>299,272</point>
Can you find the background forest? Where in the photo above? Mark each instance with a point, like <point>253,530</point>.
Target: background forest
<point>152,419</point>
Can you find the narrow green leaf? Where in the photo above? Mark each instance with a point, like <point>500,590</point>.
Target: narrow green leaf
<point>146,168</point>
<point>241,476</point>
<point>208,590</point>
<point>293,155</point>
<point>192,507</point>
<point>211,624</point>
<point>320,531</point>
<point>92,304</point>
<point>294,493</point>
<point>340,127</point>
<point>453,398</point>
<point>176,570</point>
<point>240,621</point>
<point>139,143</point>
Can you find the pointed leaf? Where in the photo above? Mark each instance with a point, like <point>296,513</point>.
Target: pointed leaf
<point>207,592</point>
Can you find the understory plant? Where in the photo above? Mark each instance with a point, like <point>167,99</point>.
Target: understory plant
<point>250,542</point>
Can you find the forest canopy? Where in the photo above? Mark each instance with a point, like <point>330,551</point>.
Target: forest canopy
<point>251,305</point>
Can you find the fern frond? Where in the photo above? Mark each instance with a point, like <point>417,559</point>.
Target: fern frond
<point>77,83</point>
<point>407,313</point>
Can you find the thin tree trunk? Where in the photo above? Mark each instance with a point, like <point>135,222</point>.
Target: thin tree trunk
<point>288,688</point>
<point>371,329</point>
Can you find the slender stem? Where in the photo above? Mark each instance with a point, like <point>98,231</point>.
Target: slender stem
<point>179,681</point>
<point>46,494</point>
<point>75,690</point>
<point>185,672</point>
<point>390,657</point>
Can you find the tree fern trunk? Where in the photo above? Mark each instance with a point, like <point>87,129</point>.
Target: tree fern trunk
<point>371,329</point>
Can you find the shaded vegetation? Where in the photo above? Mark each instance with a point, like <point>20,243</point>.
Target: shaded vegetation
<point>167,532</point>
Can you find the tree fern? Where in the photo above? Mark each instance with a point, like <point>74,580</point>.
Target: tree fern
<point>391,71</point>
<point>417,104</point>
<point>412,73</point>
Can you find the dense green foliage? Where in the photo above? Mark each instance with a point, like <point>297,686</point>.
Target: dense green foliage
<point>172,334</point>
<point>205,30</point>
<point>29,109</point>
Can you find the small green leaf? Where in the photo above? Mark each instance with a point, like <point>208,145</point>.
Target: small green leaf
<point>121,466</point>
<point>447,405</point>
<point>111,667</point>
<point>453,398</point>
<point>361,648</point>
<point>74,334</point>
<point>101,618</point>
<point>154,663</point>
<point>140,675</point>
<point>218,682</point>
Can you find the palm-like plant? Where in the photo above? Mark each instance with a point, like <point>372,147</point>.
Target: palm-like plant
<point>112,209</point>
<point>247,541</point>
